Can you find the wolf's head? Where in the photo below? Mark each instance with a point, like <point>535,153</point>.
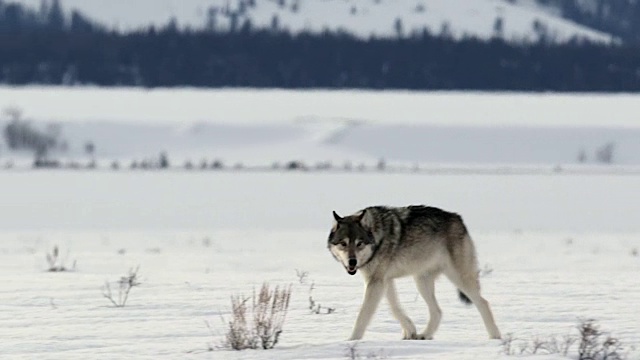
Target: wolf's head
<point>351,242</point>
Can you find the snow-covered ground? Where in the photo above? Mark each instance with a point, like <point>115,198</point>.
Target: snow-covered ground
<point>185,106</point>
<point>557,248</point>
<point>169,200</point>
<point>559,241</point>
<point>361,18</point>
<point>263,127</point>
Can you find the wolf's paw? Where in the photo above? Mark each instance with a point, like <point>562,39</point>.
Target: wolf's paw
<point>408,336</point>
<point>414,337</point>
<point>424,337</point>
<point>495,334</point>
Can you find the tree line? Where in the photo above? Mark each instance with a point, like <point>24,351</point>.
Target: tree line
<point>70,52</point>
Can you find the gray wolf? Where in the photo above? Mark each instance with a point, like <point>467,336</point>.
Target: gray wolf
<point>385,243</point>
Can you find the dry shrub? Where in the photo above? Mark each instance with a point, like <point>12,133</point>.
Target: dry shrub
<point>240,335</point>
<point>590,343</point>
<point>594,344</point>
<point>315,307</point>
<point>263,326</point>
<point>302,276</point>
<point>125,284</point>
<point>353,353</point>
<point>56,263</point>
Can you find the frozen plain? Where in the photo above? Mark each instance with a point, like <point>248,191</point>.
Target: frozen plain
<point>559,245</point>
<point>262,127</point>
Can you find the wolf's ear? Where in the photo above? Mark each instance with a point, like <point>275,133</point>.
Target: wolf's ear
<point>337,217</point>
<point>361,216</point>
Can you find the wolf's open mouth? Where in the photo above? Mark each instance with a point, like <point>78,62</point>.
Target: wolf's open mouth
<point>352,270</point>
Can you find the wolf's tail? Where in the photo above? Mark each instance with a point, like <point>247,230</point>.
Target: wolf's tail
<point>464,298</point>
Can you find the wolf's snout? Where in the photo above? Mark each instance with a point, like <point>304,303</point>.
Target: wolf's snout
<point>351,269</point>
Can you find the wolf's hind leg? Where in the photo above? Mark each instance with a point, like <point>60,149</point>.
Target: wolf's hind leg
<point>372,296</point>
<point>426,286</point>
<point>467,282</point>
<point>408,329</point>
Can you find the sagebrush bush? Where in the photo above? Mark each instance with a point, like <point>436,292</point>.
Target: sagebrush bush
<point>594,344</point>
<point>262,327</point>
<point>590,343</point>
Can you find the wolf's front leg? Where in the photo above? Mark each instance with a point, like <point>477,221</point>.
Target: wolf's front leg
<point>408,328</point>
<point>372,295</point>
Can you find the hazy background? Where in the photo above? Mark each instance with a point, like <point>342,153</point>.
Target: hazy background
<point>247,91</point>
<point>212,83</point>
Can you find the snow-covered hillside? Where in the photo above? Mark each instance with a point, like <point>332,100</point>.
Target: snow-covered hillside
<point>517,21</point>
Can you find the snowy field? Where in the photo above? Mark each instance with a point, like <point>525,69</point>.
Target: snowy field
<point>557,241</point>
<point>263,127</point>
<point>557,248</point>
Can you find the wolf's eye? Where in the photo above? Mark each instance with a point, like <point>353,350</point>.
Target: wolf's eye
<point>360,243</point>
<point>342,243</point>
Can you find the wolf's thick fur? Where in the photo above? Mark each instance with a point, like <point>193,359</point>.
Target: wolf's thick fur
<point>385,243</point>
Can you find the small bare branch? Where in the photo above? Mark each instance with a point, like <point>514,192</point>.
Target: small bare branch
<point>302,276</point>
<point>125,284</point>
